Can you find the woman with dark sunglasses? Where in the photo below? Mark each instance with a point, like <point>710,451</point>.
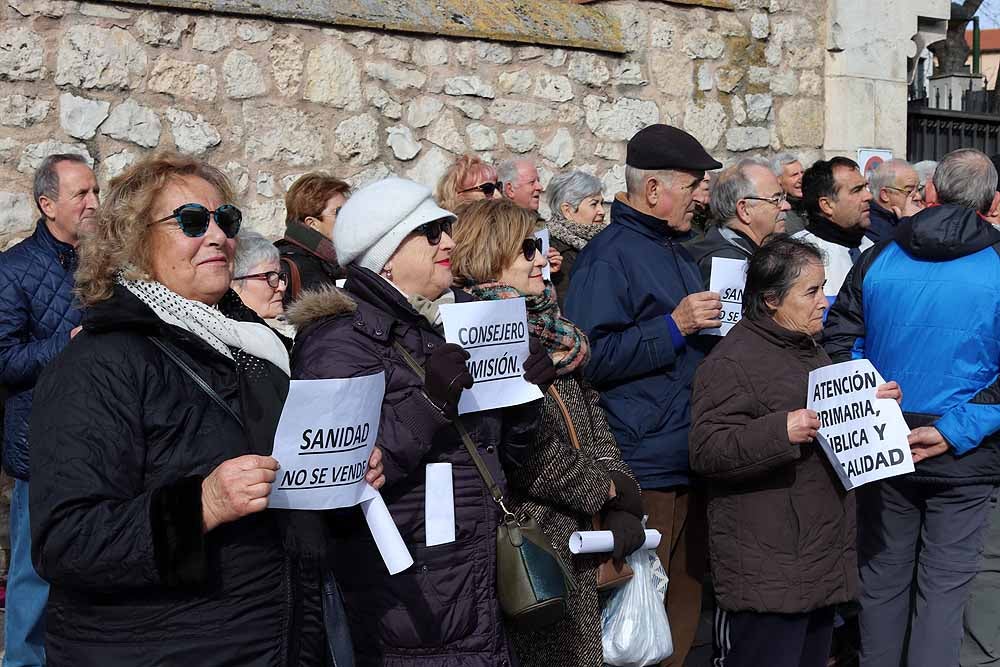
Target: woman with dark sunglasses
<point>469,179</point>
<point>443,610</point>
<point>151,439</point>
<point>563,483</point>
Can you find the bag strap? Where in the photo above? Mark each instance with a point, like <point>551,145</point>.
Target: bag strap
<point>294,277</point>
<point>197,379</point>
<point>574,440</point>
<point>470,446</point>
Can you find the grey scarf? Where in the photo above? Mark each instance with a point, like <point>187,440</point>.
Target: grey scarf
<point>573,234</point>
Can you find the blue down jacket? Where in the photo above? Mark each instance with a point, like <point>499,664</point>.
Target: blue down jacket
<point>36,315</point>
<point>925,310</point>
<point>624,284</point>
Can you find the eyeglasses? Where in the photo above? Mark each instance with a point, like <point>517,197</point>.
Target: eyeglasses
<point>193,219</point>
<point>530,246</point>
<point>486,188</point>
<point>433,230</point>
<point>273,278</point>
<point>906,191</point>
<point>776,200</point>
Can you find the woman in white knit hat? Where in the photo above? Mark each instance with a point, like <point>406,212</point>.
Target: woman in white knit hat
<point>396,244</point>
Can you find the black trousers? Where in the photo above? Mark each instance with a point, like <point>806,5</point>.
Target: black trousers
<point>752,639</point>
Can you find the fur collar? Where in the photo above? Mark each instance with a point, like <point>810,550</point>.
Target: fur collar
<point>319,303</point>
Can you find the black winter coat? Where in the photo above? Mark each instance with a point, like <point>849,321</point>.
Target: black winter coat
<point>443,610</point>
<point>122,439</point>
<point>782,529</point>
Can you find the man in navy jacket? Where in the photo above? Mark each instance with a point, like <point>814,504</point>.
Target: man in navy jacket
<point>37,319</point>
<point>638,294</point>
<point>922,307</point>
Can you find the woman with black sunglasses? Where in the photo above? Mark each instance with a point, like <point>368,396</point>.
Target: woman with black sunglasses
<point>575,468</point>
<point>151,438</point>
<point>443,610</point>
<point>468,179</point>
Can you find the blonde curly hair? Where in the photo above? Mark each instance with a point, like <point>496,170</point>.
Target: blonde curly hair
<point>120,241</point>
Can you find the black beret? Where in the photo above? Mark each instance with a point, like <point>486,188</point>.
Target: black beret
<point>664,147</point>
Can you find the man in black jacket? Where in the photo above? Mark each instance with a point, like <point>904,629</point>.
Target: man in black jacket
<point>749,205</point>
<point>307,254</point>
<point>895,188</point>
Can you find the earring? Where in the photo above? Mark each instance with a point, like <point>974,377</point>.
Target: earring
<point>387,272</point>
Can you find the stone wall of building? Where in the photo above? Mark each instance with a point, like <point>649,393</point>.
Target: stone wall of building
<point>268,100</point>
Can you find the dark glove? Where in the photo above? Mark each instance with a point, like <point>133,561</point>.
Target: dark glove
<point>627,530</point>
<point>538,367</point>
<point>627,498</point>
<point>446,375</point>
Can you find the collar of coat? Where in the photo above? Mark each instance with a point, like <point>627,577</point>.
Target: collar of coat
<point>826,230</point>
<point>311,241</point>
<point>377,307</point>
<point>945,232</point>
<point>647,225</point>
<point>64,252</point>
<point>778,335</point>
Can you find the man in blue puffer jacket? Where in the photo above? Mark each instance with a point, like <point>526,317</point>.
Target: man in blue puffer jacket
<point>638,294</point>
<point>924,308</point>
<point>37,319</point>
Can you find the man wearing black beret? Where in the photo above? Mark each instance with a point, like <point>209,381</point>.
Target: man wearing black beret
<point>637,293</point>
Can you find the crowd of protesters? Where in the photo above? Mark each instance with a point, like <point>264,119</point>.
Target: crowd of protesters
<point>147,344</point>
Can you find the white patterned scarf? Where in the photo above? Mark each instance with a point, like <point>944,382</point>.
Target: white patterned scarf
<point>209,324</point>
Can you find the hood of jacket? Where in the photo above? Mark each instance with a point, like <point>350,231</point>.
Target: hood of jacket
<point>945,232</point>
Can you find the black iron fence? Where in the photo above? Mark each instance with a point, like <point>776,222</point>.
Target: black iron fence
<point>932,133</point>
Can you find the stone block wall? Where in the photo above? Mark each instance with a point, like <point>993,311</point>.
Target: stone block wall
<point>267,100</point>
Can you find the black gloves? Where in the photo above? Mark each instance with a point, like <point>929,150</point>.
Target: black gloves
<point>538,367</point>
<point>627,498</point>
<point>627,530</point>
<point>446,375</point>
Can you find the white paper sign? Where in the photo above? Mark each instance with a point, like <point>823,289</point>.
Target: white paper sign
<point>603,541</point>
<point>543,234</point>
<point>863,437</point>
<point>728,278</point>
<point>495,333</point>
<point>324,438</point>
<point>439,505</point>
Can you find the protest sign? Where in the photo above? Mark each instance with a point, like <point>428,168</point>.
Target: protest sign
<point>543,234</point>
<point>325,435</point>
<point>495,334</point>
<point>728,278</point>
<point>863,437</point>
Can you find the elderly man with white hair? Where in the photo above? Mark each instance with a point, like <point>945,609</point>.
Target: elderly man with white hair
<point>895,188</point>
<point>787,168</point>
<point>748,205</point>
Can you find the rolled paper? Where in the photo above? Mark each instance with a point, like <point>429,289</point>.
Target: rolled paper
<point>603,541</point>
<point>387,538</point>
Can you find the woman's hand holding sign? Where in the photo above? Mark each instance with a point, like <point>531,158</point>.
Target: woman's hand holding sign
<point>803,425</point>
<point>446,377</point>
<point>236,488</point>
<point>376,471</point>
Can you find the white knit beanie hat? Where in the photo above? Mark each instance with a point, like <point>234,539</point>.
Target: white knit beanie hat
<point>375,220</point>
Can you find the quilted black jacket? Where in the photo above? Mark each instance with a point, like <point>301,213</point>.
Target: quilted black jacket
<point>36,315</point>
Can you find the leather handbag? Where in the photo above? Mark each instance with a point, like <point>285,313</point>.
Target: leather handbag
<point>609,575</point>
<point>532,580</point>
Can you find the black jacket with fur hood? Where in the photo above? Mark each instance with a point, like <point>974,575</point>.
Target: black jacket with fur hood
<point>443,610</point>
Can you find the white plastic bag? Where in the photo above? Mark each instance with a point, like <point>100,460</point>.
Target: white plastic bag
<point>635,630</point>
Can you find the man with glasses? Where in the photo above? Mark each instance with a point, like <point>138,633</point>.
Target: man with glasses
<point>638,295</point>
<point>38,317</point>
<point>749,205</point>
<point>896,194</point>
<point>837,201</point>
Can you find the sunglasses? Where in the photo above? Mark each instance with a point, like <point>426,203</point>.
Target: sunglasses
<point>193,219</point>
<point>486,188</point>
<point>433,230</point>
<point>529,247</point>
<point>273,278</point>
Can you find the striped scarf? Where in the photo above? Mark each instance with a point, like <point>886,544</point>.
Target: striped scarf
<point>565,342</point>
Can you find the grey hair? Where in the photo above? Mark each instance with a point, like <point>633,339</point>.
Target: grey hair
<point>252,250</point>
<point>47,177</point>
<point>635,178</point>
<point>732,185</point>
<point>884,176</point>
<point>966,177</point>
<point>572,188</point>
<point>925,170</point>
<point>507,170</point>
<point>778,162</point>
